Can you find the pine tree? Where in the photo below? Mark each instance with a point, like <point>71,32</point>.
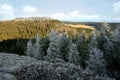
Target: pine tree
<point>34,50</point>
<point>63,43</point>
<point>80,43</point>
<point>93,41</point>
<point>96,63</point>
<point>53,35</point>
<point>82,49</point>
<point>38,50</point>
<point>104,35</point>
<point>105,27</point>
<point>53,50</point>
<point>116,37</point>
<point>58,46</point>
<point>112,53</point>
<point>73,54</point>
<point>30,49</point>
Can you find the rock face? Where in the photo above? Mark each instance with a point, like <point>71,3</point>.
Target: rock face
<point>10,61</point>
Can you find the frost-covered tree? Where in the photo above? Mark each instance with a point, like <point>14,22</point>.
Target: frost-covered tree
<point>30,49</point>
<point>96,63</point>
<point>112,53</point>
<point>34,50</point>
<point>53,35</point>
<point>116,37</point>
<point>38,50</point>
<point>105,27</point>
<point>80,42</point>
<point>104,35</point>
<point>82,49</point>
<point>93,41</point>
<point>53,50</point>
<point>63,43</point>
<point>73,54</point>
<point>58,46</point>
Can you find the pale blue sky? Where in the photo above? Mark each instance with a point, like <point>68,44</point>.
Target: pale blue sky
<point>67,10</point>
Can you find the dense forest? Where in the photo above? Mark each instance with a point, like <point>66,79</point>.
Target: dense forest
<point>62,56</point>
<point>14,34</point>
<point>18,29</point>
<point>27,28</point>
<point>96,58</point>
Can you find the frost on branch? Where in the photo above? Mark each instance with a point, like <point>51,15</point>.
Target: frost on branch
<point>73,54</point>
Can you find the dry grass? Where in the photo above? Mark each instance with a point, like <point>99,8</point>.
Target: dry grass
<point>82,26</point>
<point>69,30</point>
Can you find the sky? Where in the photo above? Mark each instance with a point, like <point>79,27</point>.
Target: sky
<point>64,10</point>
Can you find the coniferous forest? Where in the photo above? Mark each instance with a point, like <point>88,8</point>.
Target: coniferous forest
<point>60,55</point>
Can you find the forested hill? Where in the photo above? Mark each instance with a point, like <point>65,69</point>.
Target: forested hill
<point>24,28</point>
<point>17,28</point>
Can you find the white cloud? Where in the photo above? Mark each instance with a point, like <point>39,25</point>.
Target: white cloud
<point>116,18</point>
<point>29,9</point>
<point>116,7</point>
<point>7,7</point>
<point>6,12</point>
<point>75,16</point>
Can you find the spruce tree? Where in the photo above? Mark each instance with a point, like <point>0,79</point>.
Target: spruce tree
<point>112,53</point>
<point>38,50</point>
<point>63,43</point>
<point>73,54</point>
<point>53,35</point>
<point>30,49</point>
<point>104,35</point>
<point>96,62</point>
<point>53,50</point>
<point>93,41</point>
<point>34,50</point>
<point>58,46</point>
<point>82,49</point>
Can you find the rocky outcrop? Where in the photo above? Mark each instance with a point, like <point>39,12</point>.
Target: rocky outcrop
<point>15,67</point>
<point>11,61</point>
<point>43,70</point>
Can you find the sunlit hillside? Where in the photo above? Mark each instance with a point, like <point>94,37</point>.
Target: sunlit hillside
<point>24,28</point>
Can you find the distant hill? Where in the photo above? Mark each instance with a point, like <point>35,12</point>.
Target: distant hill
<point>24,28</point>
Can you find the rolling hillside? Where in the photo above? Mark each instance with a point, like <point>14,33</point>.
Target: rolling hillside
<point>24,28</point>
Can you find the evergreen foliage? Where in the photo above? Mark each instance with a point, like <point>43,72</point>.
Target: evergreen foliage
<point>73,58</point>
<point>29,49</point>
<point>53,49</point>
<point>58,46</point>
<point>112,53</point>
<point>73,54</point>
<point>34,50</point>
<point>82,49</point>
<point>96,62</point>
